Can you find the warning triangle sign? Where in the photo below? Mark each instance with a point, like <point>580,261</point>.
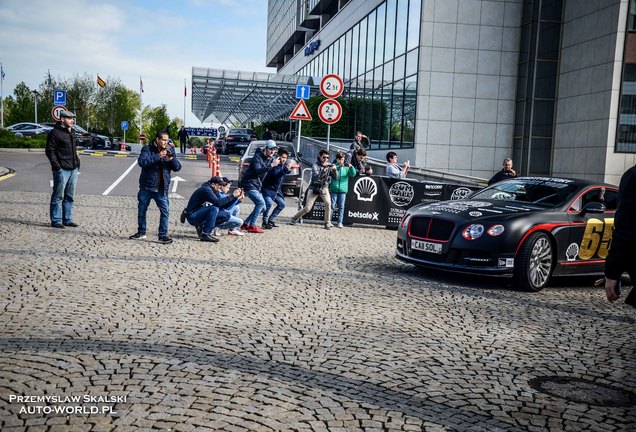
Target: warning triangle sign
<point>300,112</point>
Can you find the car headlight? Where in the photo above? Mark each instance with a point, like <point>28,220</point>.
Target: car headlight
<point>495,230</point>
<point>473,231</point>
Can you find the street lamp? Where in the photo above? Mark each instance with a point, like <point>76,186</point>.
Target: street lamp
<point>35,99</point>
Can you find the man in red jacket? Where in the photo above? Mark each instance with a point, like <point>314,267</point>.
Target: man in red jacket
<point>61,150</point>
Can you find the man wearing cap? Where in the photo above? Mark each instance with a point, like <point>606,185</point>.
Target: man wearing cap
<point>61,150</point>
<point>206,208</point>
<point>252,181</point>
<point>156,160</point>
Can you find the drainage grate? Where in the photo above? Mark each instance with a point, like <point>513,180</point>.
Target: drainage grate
<point>583,391</point>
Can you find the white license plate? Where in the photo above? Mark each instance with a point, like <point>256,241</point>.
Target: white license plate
<point>426,246</point>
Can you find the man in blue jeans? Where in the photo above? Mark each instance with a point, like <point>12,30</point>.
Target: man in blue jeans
<point>252,180</point>
<point>61,150</point>
<point>272,190</point>
<point>156,161</point>
<point>206,209</point>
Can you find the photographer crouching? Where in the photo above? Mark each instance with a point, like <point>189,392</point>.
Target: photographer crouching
<point>321,174</point>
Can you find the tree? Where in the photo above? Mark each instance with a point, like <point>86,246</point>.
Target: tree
<point>20,109</point>
<point>114,104</point>
<point>155,120</point>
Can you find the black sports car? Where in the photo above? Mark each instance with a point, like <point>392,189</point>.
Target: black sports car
<point>529,228</point>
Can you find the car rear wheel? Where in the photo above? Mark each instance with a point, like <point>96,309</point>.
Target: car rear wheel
<point>534,263</point>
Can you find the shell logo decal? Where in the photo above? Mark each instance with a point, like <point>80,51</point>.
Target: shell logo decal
<point>365,189</point>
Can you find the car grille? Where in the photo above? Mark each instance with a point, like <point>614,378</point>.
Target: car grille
<point>431,228</point>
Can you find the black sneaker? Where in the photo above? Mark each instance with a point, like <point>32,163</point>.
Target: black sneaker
<point>272,224</point>
<point>138,236</point>
<point>183,216</point>
<point>71,224</point>
<point>57,225</point>
<point>266,226</point>
<point>165,239</point>
<point>208,238</point>
<point>199,230</point>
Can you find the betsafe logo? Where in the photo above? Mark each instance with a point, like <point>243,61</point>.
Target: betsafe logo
<point>365,189</point>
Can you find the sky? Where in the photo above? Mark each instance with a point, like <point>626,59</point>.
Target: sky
<point>158,40</point>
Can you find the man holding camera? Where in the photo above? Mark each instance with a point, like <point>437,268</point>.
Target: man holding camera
<point>322,171</point>
<point>252,181</point>
<point>207,208</point>
<point>156,160</point>
<point>506,173</point>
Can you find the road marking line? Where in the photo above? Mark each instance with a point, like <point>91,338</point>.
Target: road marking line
<point>6,176</point>
<point>121,177</point>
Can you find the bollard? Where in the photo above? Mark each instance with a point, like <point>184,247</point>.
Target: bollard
<point>123,146</point>
<point>218,165</point>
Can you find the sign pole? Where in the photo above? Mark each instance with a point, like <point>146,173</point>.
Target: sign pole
<point>328,135</point>
<point>124,136</point>
<point>300,126</point>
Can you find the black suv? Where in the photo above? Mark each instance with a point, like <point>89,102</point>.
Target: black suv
<point>237,140</point>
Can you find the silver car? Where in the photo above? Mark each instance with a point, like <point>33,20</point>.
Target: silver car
<point>26,129</point>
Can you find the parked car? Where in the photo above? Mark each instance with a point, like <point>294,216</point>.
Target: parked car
<point>26,129</point>
<point>528,228</point>
<point>237,140</point>
<point>89,140</point>
<point>219,143</point>
<point>292,180</point>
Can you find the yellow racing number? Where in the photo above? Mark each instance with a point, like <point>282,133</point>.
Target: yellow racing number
<point>596,238</point>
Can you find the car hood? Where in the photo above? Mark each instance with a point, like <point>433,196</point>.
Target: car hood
<point>466,210</point>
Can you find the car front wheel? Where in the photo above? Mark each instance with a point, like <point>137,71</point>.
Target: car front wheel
<point>534,263</point>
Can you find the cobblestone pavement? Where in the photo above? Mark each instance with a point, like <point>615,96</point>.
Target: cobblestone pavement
<point>298,329</point>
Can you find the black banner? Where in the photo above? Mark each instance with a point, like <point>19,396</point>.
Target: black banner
<point>383,201</point>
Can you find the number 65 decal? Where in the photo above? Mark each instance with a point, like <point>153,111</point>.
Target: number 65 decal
<point>596,238</point>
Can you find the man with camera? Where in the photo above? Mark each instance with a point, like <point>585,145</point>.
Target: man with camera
<point>272,190</point>
<point>156,160</point>
<point>252,181</point>
<point>358,159</point>
<point>506,172</point>
<point>322,171</point>
<point>207,208</point>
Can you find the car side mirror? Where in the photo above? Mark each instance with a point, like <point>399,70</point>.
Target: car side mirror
<point>593,207</point>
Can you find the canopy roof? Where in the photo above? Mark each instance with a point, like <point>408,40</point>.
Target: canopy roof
<point>238,97</point>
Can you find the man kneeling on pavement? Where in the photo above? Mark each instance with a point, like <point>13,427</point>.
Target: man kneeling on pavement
<point>207,209</point>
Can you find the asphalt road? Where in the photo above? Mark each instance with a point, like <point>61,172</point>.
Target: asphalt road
<point>98,174</point>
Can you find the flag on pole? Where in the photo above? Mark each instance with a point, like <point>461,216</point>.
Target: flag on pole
<point>100,81</point>
<point>141,85</point>
<point>50,81</point>
<point>2,72</point>
<point>185,90</point>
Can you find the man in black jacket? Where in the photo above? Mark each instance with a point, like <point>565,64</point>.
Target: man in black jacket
<point>183,139</point>
<point>622,256</point>
<point>505,173</point>
<point>61,150</point>
<point>156,161</point>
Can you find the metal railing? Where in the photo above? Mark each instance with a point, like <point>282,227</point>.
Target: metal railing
<point>310,147</point>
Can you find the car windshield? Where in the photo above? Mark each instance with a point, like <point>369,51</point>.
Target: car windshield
<point>79,129</point>
<point>237,132</point>
<point>543,191</point>
<point>290,149</point>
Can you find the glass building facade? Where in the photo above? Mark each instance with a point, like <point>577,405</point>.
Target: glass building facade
<point>377,59</point>
<point>626,136</point>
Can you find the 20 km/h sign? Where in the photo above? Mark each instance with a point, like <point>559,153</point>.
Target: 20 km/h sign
<point>331,86</point>
<point>329,111</point>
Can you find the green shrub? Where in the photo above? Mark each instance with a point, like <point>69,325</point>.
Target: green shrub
<point>9,140</point>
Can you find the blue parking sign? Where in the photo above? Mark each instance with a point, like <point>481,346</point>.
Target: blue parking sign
<point>302,91</point>
<point>59,97</point>
<point>124,125</point>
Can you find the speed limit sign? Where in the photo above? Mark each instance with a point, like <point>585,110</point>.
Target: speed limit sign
<point>329,111</point>
<point>55,112</point>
